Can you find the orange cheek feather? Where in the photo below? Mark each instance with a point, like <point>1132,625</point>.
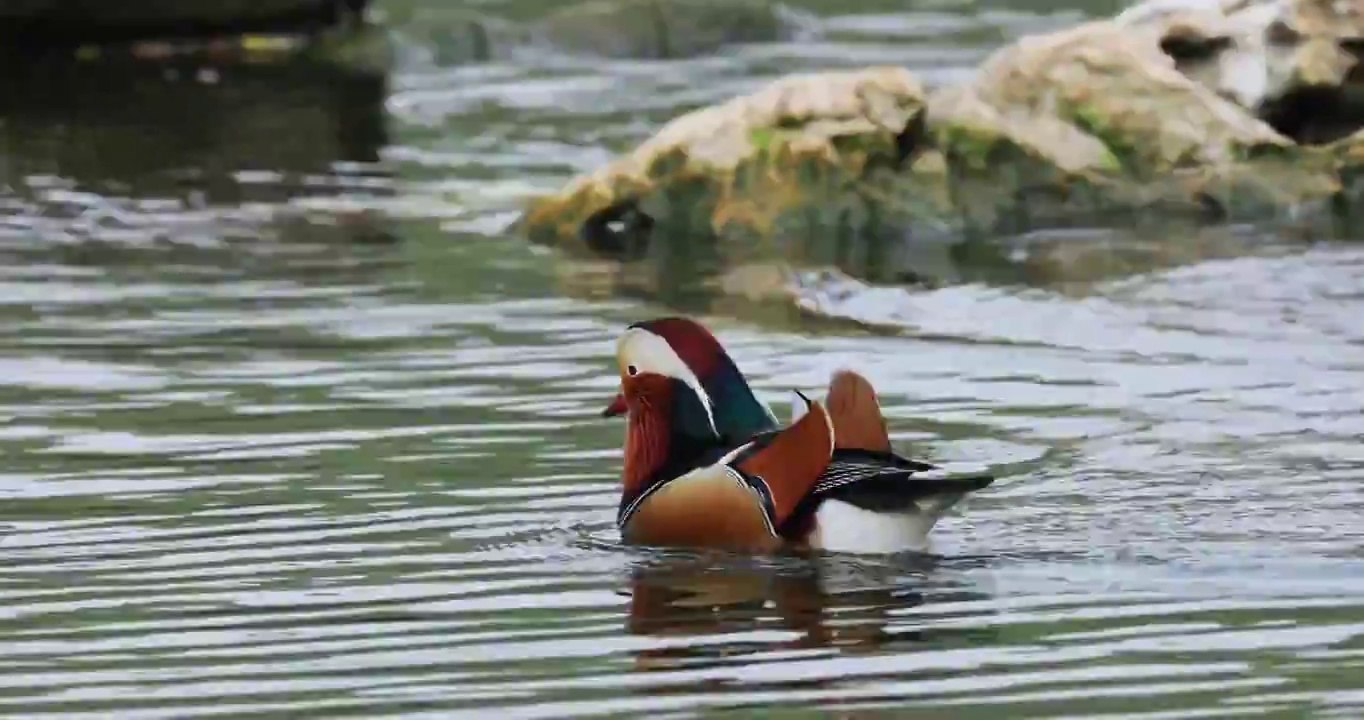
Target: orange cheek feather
<point>646,431</point>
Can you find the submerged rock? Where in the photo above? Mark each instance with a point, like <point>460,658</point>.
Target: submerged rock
<point>659,29</point>
<point>447,35</point>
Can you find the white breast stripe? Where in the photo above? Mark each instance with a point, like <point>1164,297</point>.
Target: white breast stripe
<point>733,453</point>
<point>633,506</point>
<point>757,497</point>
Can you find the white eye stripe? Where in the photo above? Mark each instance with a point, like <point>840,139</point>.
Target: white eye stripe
<point>644,351</point>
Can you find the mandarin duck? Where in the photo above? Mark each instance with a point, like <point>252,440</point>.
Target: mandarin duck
<point>707,465</point>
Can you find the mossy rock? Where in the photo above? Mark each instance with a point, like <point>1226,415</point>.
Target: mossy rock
<point>1093,126</point>
<point>1291,63</point>
<point>365,49</point>
<point>1119,88</point>
<point>1003,172</point>
<point>452,35</point>
<point>1095,123</point>
<point>804,152</point>
<point>660,29</point>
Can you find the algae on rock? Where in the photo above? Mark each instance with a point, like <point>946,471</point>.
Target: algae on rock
<point>1125,92</point>
<point>795,152</point>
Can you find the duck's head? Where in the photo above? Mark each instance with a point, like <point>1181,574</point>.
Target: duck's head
<point>676,351</point>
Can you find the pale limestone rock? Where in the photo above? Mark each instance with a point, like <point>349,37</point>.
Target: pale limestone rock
<point>1294,62</point>
<point>958,117</point>
<point>1146,116</point>
<point>1118,87</point>
<point>748,154</point>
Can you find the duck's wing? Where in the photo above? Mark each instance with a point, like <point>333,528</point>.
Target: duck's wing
<point>865,472</point>
<point>785,465</point>
<point>864,469</point>
<point>739,414</point>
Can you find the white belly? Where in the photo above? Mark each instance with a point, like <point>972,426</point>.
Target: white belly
<point>842,527</point>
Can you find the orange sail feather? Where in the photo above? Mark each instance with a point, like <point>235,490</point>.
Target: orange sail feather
<point>856,414</point>
<point>791,460</point>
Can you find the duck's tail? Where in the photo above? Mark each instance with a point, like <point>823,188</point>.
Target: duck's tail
<point>872,499</point>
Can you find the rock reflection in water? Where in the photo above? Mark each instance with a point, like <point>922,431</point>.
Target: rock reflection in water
<point>124,149</point>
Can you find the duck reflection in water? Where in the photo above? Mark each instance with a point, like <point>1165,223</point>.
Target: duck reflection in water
<point>710,609</point>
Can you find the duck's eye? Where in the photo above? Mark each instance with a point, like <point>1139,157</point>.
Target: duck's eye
<point>631,370</point>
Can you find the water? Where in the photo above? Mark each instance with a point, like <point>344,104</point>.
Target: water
<point>290,428</point>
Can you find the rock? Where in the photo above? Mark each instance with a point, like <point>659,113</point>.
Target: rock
<point>1120,89</point>
<point>797,147</point>
<point>1295,63</point>
<point>968,126</point>
<point>1316,84</point>
<point>1095,119</point>
<point>447,35</point>
<point>1225,55</point>
<point>993,158</point>
<point>660,29</point>
<point>1102,125</point>
<point>367,49</point>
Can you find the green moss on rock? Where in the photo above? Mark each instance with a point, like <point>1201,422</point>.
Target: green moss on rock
<point>798,143</point>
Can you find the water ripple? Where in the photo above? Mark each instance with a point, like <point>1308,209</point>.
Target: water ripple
<point>320,441</point>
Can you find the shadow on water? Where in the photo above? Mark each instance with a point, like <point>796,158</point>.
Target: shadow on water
<point>122,149</point>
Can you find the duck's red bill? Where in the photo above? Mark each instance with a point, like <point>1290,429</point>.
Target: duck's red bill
<point>617,407</point>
